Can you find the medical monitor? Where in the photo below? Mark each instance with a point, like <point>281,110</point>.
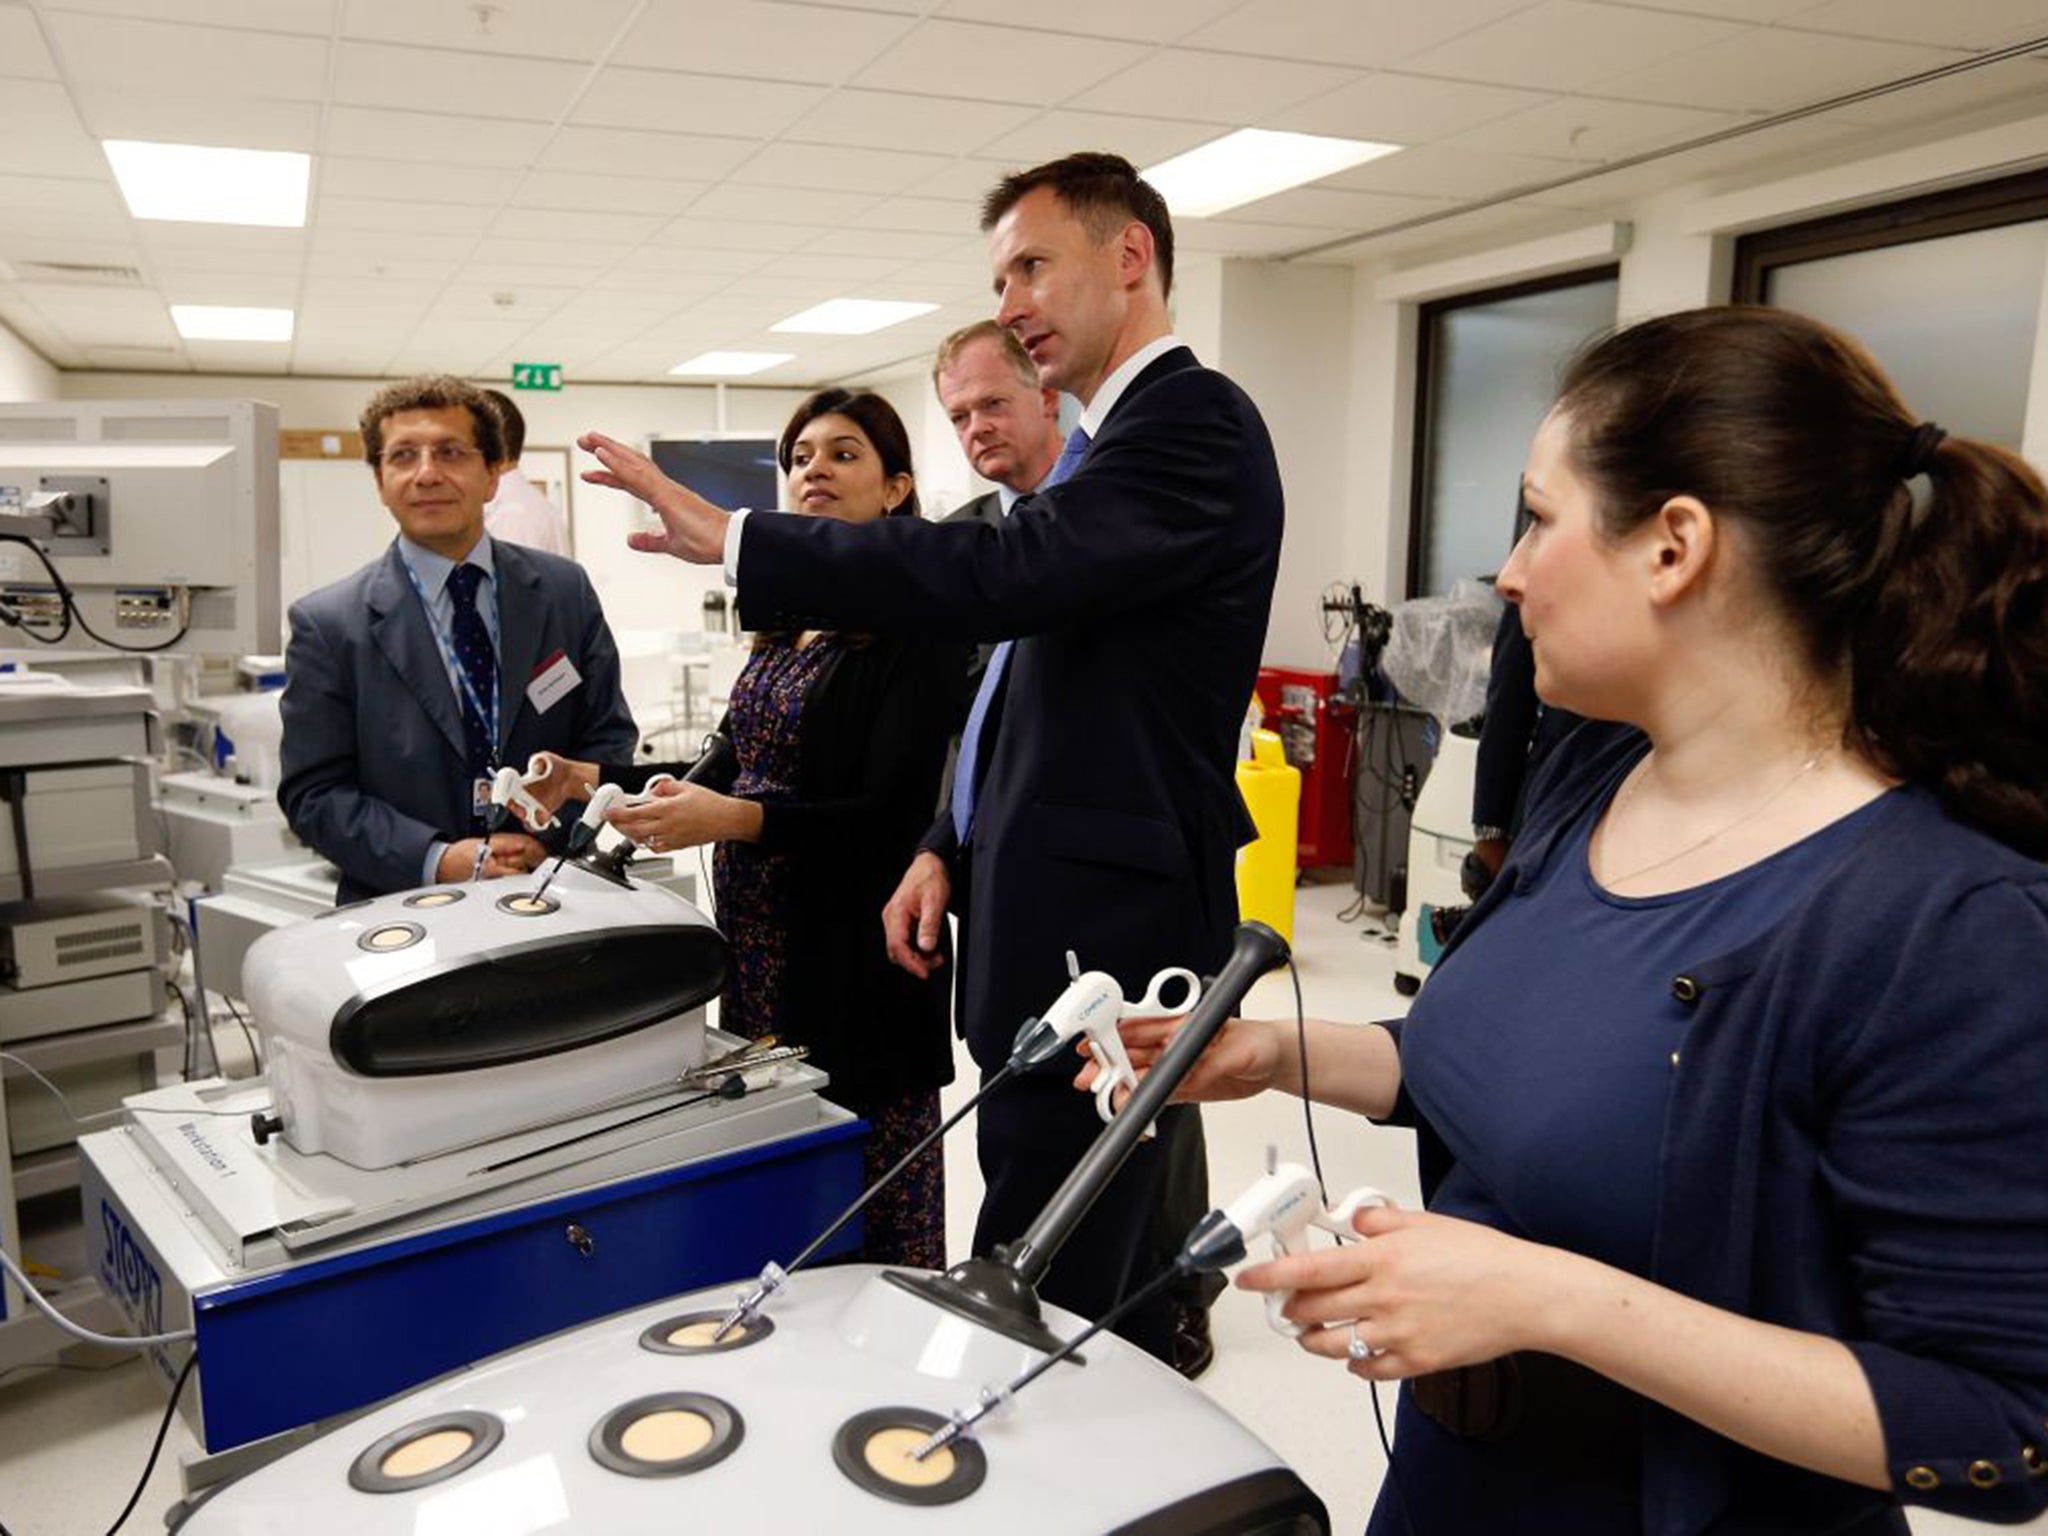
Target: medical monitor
<point>725,471</point>
<point>165,520</point>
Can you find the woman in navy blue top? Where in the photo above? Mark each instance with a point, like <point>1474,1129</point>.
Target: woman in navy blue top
<point>1728,1091</point>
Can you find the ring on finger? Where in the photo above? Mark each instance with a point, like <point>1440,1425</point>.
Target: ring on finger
<point>1358,1349</point>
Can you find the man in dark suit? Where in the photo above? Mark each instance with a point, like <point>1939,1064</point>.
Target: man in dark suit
<point>1101,813</point>
<point>408,683</point>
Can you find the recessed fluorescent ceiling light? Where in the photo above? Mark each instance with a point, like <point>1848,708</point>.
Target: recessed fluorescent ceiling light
<point>1252,163</point>
<point>192,184</point>
<point>851,317</point>
<point>226,322</point>
<point>731,364</point>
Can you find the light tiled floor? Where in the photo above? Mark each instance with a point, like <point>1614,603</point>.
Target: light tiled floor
<point>72,1442</point>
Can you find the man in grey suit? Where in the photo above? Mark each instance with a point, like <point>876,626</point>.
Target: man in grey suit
<point>410,682</point>
<point>1009,428</point>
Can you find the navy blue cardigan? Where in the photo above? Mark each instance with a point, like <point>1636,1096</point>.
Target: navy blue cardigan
<point>1856,1146</point>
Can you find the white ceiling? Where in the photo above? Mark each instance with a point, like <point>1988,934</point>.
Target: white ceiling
<point>620,184</point>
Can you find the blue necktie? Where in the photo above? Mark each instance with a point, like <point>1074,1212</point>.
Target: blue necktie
<point>479,665</point>
<point>965,777</point>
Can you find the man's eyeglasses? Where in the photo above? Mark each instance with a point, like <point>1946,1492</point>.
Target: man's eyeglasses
<point>445,456</point>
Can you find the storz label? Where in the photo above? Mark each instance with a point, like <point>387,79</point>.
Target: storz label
<point>129,1274</point>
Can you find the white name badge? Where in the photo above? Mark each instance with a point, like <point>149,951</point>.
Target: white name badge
<point>552,679</point>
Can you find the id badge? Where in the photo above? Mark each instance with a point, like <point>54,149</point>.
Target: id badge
<point>552,680</point>
<point>480,797</point>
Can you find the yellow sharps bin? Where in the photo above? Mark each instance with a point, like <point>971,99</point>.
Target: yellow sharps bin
<point>1265,868</point>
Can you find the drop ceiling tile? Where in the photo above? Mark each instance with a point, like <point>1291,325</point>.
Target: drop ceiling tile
<point>955,277</point>
<point>540,29</point>
<point>1216,237</point>
<point>372,291</point>
<point>998,63</point>
<point>606,194</point>
<point>628,152</point>
<point>165,266</point>
<point>386,134</point>
<point>163,359</point>
<point>591,257</point>
<point>118,51</point>
<point>1222,88</point>
<point>173,239</point>
<point>889,120</point>
<point>1345,32</point>
<point>1394,108</point>
<point>376,244</point>
<point>1731,10</point>
<point>1772,72</point>
<point>401,217</point>
<point>652,297</point>
<point>22,54</point>
<point>2014,88</point>
<point>239,356</point>
<point>357,266</point>
<point>276,291</point>
<point>408,179</point>
<point>694,233</point>
<point>517,276</point>
<point>791,293</point>
<point>1142,21</point>
<point>1438,170</point>
<point>1979,24</point>
<point>927,215</point>
<point>667,101</point>
<point>660,258</point>
<point>835,269</point>
<point>575,226</point>
<point>1141,140</point>
<point>812,207</point>
<point>174,117</point>
<point>40,134</point>
<point>312,17</point>
<point>967,181</point>
<point>833,169</point>
<point>760,39</point>
<point>1566,45</point>
<point>467,85</point>
<point>32,195</point>
<point>898,244</point>
<point>1328,208</point>
<point>1591,131</point>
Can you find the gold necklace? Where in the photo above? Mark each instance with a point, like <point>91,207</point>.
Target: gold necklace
<point>1628,793</point>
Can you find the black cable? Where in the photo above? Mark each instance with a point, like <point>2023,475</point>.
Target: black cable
<point>72,612</point>
<point>162,1429</point>
<point>249,1035</point>
<point>1316,1163</point>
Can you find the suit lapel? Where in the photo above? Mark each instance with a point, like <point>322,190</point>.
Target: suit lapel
<point>400,630</point>
<point>522,621</point>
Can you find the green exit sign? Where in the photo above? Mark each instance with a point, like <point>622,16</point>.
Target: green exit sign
<point>536,375</point>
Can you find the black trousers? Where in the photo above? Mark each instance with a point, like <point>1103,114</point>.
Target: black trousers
<point>1031,1134</point>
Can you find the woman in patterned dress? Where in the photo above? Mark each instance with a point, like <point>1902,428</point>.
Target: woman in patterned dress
<point>840,741</point>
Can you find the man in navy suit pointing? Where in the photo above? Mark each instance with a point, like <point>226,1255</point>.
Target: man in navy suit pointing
<point>1095,808</point>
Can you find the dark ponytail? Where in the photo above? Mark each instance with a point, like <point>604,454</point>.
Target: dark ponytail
<point>1913,566</point>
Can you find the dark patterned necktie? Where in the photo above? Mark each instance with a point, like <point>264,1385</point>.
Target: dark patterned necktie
<point>479,665</point>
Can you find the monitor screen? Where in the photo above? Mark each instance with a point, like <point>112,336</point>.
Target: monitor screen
<point>727,472</point>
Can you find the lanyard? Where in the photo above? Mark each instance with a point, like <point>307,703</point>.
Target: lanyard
<point>453,663</point>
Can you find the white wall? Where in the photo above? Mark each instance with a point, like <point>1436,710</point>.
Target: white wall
<point>23,373</point>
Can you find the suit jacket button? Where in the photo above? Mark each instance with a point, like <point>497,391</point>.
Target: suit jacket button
<point>1923,1478</point>
<point>2036,1463</point>
<point>1984,1474</point>
<point>1685,989</point>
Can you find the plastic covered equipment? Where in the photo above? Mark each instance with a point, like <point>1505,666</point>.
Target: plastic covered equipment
<point>1442,649</point>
